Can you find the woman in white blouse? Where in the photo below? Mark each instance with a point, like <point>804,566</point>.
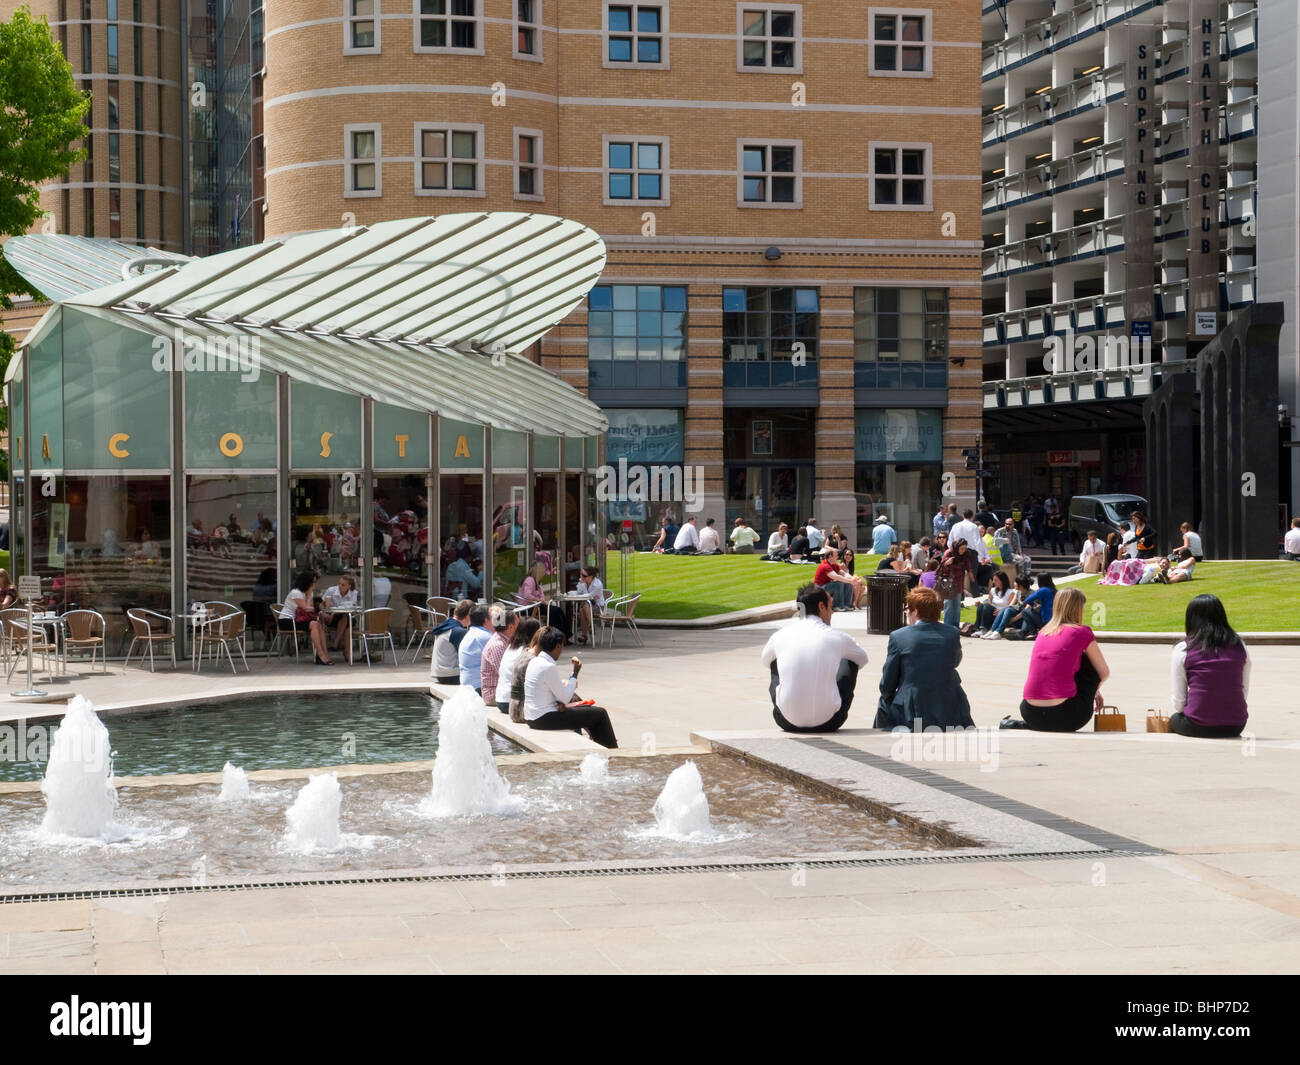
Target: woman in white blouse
<point>524,633</point>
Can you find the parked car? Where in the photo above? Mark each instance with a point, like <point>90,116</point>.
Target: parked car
<point>1101,514</point>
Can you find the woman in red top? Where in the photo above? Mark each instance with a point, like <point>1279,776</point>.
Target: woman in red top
<point>1066,671</point>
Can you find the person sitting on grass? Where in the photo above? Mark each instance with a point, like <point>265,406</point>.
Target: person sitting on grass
<point>709,542</point>
<point>919,682</point>
<point>992,615</point>
<point>800,546</point>
<point>1291,542</point>
<point>743,538</point>
<point>688,538</point>
<point>845,591</point>
<point>548,700</point>
<point>1210,672</point>
<point>1155,571</point>
<point>446,644</point>
<point>778,544</point>
<point>848,560</point>
<point>1192,541</point>
<point>813,667</point>
<point>1066,672</point>
<point>1182,570</point>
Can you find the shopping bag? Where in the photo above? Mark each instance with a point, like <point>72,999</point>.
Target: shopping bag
<point>1109,719</point>
<point>1157,721</point>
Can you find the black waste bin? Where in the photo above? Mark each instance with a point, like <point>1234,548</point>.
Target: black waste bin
<point>885,596</point>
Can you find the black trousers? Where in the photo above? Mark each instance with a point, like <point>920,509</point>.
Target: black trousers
<point>592,718</point>
<point>504,707</point>
<point>846,679</point>
<point>1071,715</point>
<point>1185,726</point>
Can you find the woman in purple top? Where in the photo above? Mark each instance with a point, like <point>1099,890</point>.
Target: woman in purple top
<point>1066,671</point>
<point>1210,674</point>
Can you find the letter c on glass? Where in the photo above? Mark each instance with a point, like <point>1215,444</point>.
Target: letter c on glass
<point>115,445</point>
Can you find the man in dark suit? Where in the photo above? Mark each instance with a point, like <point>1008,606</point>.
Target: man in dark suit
<point>920,678</point>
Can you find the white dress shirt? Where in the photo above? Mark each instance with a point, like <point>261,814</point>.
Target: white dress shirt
<point>1090,548</point>
<point>709,539</point>
<point>778,541</point>
<point>970,532</point>
<point>506,673</point>
<point>815,537</point>
<point>687,536</point>
<point>1291,542</point>
<point>543,687</point>
<point>807,654</point>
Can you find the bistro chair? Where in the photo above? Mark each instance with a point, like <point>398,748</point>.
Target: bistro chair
<point>149,628</point>
<point>440,605</point>
<point>423,622</point>
<point>18,637</point>
<point>86,629</point>
<point>220,633</point>
<point>374,626</point>
<point>292,635</point>
<point>622,611</point>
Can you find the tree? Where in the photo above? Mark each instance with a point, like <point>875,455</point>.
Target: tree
<point>42,117</point>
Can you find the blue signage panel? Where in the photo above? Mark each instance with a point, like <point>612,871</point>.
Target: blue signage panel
<point>898,436</point>
<point>645,436</point>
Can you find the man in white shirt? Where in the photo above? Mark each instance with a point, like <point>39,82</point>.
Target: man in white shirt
<point>710,544</point>
<point>688,538</point>
<point>470,654</point>
<point>814,668</point>
<point>815,536</point>
<point>1291,542</point>
<point>1092,557</point>
<point>1127,540</point>
<point>545,695</point>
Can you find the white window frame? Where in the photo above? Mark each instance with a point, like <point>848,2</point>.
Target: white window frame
<point>536,26</point>
<point>350,17</point>
<point>349,192</point>
<point>537,164</point>
<point>605,170</point>
<point>900,147</point>
<point>769,143</point>
<point>767,68</point>
<point>634,63</point>
<point>432,49</point>
<point>479,160</point>
<point>926,42</point>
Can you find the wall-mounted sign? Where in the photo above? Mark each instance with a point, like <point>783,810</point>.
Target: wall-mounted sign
<point>1207,323</point>
<point>1061,458</point>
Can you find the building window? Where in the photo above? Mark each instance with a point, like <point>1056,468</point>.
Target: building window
<point>900,337</point>
<point>363,165</point>
<point>770,174</point>
<point>139,215</point>
<point>900,177</point>
<point>85,48</point>
<point>636,170</point>
<point>636,336</point>
<point>769,38</point>
<point>528,29</point>
<point>449,26</point>
<point>528,164</point>
<point>636,35</point>
<point>115,157</point>
<point>449,161</point>
<point>88,211</point>
<point>760,330</point>
<point>114,212</point>
<point>362,28</point>
<point>900,44</point>
<point>112,49</point>
<point>137,50</point>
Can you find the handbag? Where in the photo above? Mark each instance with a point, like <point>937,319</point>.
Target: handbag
<point>945,584</point>
<point>1109,719</point>
<point>1157,721</point>
<point>303,614</point>
<point>967,628</point>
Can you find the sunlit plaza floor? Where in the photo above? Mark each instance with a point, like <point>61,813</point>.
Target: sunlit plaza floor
<point>1214,886</point>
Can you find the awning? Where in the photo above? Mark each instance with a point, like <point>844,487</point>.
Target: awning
<point>60,267</point>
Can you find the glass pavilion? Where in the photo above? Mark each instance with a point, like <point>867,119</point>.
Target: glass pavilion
<point>192,430</point>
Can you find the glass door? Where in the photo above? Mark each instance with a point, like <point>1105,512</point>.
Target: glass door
<point>768,494</point>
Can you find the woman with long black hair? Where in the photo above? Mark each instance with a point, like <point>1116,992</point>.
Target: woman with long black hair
<point>1210,674</point>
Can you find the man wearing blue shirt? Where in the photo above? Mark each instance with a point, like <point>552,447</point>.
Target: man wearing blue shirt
<point>470,654</point>
<point>883,536</point>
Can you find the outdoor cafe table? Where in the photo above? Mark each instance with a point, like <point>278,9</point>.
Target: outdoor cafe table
<point>54,622</point>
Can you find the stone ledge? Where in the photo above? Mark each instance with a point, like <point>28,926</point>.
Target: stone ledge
<point>527,738</point>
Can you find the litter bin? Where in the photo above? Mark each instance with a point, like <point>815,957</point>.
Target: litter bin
<point>885,595</point>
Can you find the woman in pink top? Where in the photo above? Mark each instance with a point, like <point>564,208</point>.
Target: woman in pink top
<point>1066,671</point>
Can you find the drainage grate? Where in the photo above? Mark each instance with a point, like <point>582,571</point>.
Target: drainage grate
<point>547,873</point>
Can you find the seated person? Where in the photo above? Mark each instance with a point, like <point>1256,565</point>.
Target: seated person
<point>667,537</point>
<point>992,615</point>
<point>524,631</point>
<point>687,541</point>
<point>503,622</point>
<point>464,578</point>
<point>548,699</point>
<point>919,682</point>
<point>590,585</point>
<point>929,574</point>
<point>710,543</point>
<point>743,538</point>
<point>1038,607</point>
<point>469,655</point>
<point>1066,672</point>
<point>778,544</point>
<point>446,644</point>
<point>1192,541</point>
<point>848,560</point>
<point>814,668</point>
<point>1210,674</point>
<point>800,546</point>
<point>8,591</point>
<point>1183,569</point>
<point>902,563</point>
<point>531,591</point>
<point>1291,542</point>
<point>1155,571</point>
<point>300,615</point>
<point>343,594</point>
<point>845,590</point>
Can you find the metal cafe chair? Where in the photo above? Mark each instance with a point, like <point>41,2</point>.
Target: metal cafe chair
<point>17,636</point>
<point>86,629</point>
<point>149,628</point>
<point>621,611</point>
<point>440,605</point>
<point>423,622</point>
<point>220,633</point>
<point>292,635</point>
<point>374,626</point>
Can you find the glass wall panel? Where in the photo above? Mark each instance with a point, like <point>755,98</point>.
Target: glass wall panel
<point>509,527</point>
<point>325,524</point>
<point>639,499</point>
<point>572,529</point>
<point>401,534</point>
<point>546,520</point>
<point>509,450</point>
<point>899,458</point>
<point>546,452</point>
<point>325,428</point>
<point>573,452</point>
<point>461,516</point>
<point>116,405</point>
<point>104,543</point>
<point>401,438</point>
<point>230,422</point>
<point>45,363</point>
<point>460,445</point>
<point>231,545</point>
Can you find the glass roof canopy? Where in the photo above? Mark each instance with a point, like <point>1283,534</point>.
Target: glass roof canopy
<point>430,312</point>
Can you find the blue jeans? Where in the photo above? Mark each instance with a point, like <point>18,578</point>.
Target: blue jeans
<point>952,612</point>
<point>1004,615</point>
<point>1030,621</point>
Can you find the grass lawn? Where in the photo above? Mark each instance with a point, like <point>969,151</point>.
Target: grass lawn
<point>686,586</point>
<point>1258,596</point>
